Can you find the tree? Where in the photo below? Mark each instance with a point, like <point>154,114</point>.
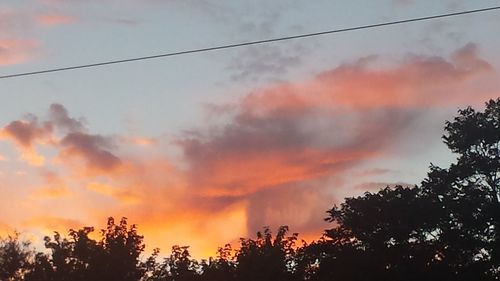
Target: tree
<point>469,192</point>
<point>220,268</point>
<point>447,228</point>
<point>15,256</point>
<point>385,235</point>
<point>267,258</point>
<point>79,258</point>
<point>121,248</point>
<point>179,266</point>
<point>475,137</point>
<point>41,270</point>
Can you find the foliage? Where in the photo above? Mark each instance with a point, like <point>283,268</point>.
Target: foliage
<point>447,228</point>
<point>115,257</point>
<point>267,258</point>
<point>15,256</point>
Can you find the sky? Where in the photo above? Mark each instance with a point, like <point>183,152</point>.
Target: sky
<point>206,148</point>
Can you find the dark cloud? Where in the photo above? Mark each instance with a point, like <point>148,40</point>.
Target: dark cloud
<point>25,132</point>
<point>467,61</point>
<point>95,149</point>
<point>58,115</point>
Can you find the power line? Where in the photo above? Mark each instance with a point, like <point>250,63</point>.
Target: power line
<point>248,43</point>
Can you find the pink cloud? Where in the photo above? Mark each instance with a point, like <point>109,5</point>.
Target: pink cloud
<point>54,19</point>
<point>26,132</point>
<point>296,136</point>
<point>75,143</point>
<point>16,51</point>
<point>416,82</point>
<point>93,149</point>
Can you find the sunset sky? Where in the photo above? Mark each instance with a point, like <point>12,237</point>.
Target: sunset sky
<point>206,148</point>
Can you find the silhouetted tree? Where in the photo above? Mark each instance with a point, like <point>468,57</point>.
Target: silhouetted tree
<point>115,257</point>
<point>179,266</point>
<point>220,268</point>
<point>42,269</point>
<point>153,269</point>
<point>388,235</point>
<point>267,258</point>
<point>467,194</point>
<point>15,255</point>
<point>447,228</point>
<point>122,247</point>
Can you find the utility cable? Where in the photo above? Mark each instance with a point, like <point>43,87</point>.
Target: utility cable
<point>248,43</point>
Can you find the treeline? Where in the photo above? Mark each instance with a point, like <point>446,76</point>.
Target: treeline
<point>447,228</point>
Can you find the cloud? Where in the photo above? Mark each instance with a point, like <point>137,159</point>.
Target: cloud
<point>296,143</point>
<point>54,188</point>
<point>16,51</point>
<point>141,141</point>
<point>281,159</point>
<point>94,149</point>
<point>32,157</point>
<point>288,142</point>
<point>50,192</point>
<point>13,22</point>
<point>19,37</point>
<point>58,115</point>
<point>54,19</point>
<point>416,81</point>
<point>75,142</point>
<point>54,223</point>
<point>468,63</point>
<point>15,46</point>
<point>259,63</point>
<point>124,196</point>
<point>280,206</point>
<point>26,132</point>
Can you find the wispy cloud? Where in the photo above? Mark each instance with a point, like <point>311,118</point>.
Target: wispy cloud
<point>264,63</point>
<point>16,51</point>
<point>54,19</point>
